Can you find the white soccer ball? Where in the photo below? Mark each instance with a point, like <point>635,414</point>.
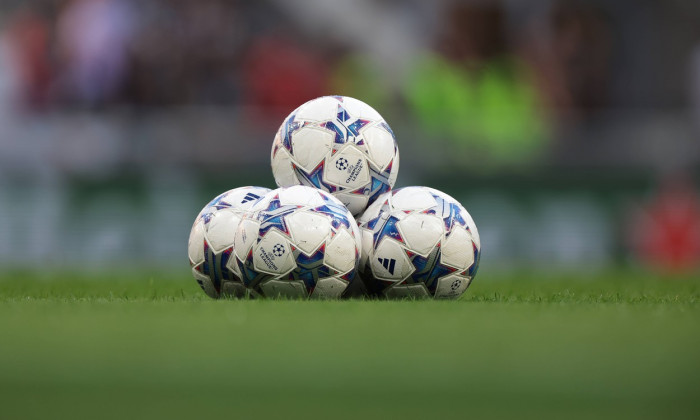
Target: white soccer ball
<point>418,242</point>
<point>340,145</point>
<point>298,242</point>
<point>211,241</point>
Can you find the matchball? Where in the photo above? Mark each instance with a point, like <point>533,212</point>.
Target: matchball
<point>211,241</point>
<point>339,145</point>
<point>298,242</point>
<point>418,242</point>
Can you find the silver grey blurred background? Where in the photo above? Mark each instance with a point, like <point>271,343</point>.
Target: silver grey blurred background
<point>570,130</point>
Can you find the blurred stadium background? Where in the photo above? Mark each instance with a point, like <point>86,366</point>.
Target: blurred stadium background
<point>570,130</point>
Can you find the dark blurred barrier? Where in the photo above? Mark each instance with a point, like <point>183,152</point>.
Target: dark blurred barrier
<point>224,139</point>
<point>123,187</point>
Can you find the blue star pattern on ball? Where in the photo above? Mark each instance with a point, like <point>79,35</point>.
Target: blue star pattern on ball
<point>384,225</point>
<point>214,266</point>
<point>290,126</point>
<point>349,276</point>
<point>387,229</point>
<point>477,258</point>
<point>337,214</point>
<point>217,203</point>
<point>273,217</point>
<point>250,276</point>
<point>380,183</point>
<point>310,268</point>
<point>387,128</point>
<point>313,178</point>
<point>381,217</point>
<point>451,210</point>
<point>345,127</point>
<point>429,269</point>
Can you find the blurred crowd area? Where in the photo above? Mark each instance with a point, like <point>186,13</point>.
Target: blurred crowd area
<point>269,54</point>
<point>505,81</point>
<point>574,121</point>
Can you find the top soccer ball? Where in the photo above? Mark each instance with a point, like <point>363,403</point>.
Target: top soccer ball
<point>418,242</point>
<point>211,241</point>
<point>340,145</point>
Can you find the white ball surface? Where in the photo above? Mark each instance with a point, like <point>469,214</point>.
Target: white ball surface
<point>298,242</point>
<point>418,242</point>
<point>340,145</point>
<point>211,241</point>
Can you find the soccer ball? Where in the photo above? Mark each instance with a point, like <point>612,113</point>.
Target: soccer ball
<point>211,241</point>
<point>298,242</point>
<point>340,145</point>
<point>418,242</point>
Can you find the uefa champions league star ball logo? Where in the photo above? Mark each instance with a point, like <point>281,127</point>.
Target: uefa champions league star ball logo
<point>278,250</point>
<point>341,164</point>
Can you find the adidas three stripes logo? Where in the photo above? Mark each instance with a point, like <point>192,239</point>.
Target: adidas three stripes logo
<point>388,263</point>
<point>249,197</point>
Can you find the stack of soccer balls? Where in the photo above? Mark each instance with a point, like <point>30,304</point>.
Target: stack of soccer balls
<point>334,159</point>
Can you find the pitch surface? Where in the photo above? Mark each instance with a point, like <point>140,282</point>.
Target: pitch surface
<point>618,346</point>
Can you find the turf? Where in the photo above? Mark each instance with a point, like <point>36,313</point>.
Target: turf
<point>99,345</point>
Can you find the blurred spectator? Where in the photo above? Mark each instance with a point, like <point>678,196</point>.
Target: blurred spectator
<point>94,37</point>
<point>280,74</point>
<point>665,233</point>
<point>473,91</point>
<point>25,59</point>
<point>573,59</point>
<point>201,60</point>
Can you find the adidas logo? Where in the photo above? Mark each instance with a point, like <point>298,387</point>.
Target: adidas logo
<point>249,197</point>
<point>388,263</point>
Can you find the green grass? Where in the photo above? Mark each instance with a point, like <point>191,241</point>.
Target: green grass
<point>100,345</point>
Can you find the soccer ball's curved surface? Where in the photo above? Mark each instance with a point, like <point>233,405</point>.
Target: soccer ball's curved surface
<point>340,145</point>
<point>298,242</point>
<point>418,242</point>
<point>210,246</point>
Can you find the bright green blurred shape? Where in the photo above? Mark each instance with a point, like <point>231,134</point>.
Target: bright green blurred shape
<point>493,113</point>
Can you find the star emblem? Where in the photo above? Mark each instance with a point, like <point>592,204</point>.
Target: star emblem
<point>314,178</point>
<point>274,216</point>
<point>290,126</point>
<point>385,226</point>
<point>336,213</point>
<point>216,204</point>
<point>429,269</point>
<point>214,266</point>
<point>450,211</point>
<point>310,269</point>
<point>346,127</point>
